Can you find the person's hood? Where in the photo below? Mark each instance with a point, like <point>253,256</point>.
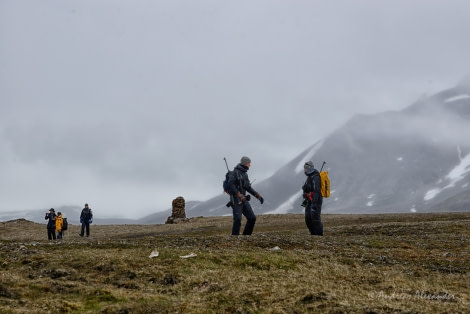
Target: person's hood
<point>242,168</point>
<point>312,172</point>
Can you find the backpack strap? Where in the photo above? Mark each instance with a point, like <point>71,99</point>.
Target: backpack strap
<point>240,185</point>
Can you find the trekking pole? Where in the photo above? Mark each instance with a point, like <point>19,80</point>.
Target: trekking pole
<point>226,164</point>
<point>322,166</point>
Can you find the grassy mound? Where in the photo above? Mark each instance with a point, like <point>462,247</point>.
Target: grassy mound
<point>408,263</point>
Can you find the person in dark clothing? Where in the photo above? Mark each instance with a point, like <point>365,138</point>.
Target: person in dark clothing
<point>313,199</point>
<point>239,184</point>
<point>86,218</point>
<point>51,224</point>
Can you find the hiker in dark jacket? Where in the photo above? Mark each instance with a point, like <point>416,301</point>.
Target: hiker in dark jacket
<point>86,218</point>
<point>51,224</point>
<point>239,184</point>
<point>313,199</point>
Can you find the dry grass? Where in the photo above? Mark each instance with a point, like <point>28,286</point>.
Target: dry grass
<point>403,263</point>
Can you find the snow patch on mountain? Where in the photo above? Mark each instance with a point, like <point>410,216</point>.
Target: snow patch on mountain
<point>285,207</point>
<point>308,156</point>
<point>454,176</point>
<point>459,97</point>
<point>431,194</point>
<point>459,172</point>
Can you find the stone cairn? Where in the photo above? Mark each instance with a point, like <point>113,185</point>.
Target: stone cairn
<point>178,214</point>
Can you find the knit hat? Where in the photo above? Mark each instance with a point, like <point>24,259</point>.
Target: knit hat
<point>245,160</point>
<point>308,166</point>
<point>52,210</point>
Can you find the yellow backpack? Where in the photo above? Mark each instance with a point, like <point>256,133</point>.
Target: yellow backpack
<point>325,182</point>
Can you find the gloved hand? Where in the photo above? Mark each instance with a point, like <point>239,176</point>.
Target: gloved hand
<point>81,220</point>
<point>260,198</point>
<point>308,196</point>
<point>241,197</point>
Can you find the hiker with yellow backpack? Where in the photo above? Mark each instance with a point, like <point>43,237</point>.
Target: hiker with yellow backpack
<point>313,192</point>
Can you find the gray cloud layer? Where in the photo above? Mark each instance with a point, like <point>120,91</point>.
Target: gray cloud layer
<point>127,105</point>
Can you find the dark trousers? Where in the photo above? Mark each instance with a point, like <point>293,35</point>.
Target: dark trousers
<point>51,233</point>
<point>313,218</point>
<point>85,225</point>
<point>245,210</point>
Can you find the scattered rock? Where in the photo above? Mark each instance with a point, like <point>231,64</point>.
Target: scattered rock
<point>153,254</point>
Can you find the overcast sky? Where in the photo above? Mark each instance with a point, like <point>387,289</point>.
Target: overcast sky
<point>128,104</point>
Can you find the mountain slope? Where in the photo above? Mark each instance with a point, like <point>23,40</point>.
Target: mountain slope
<point>410,160</point>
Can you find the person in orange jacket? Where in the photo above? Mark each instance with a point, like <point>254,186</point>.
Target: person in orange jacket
<point>59,222</point>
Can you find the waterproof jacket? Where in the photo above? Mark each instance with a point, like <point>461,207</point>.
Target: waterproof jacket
<point>238,181</point>
<point>59,222</point>
<point>86,215</point>
<point>51,222</point>
<point>313,184</point>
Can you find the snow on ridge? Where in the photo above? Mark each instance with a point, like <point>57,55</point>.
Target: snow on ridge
<point>455,98</point>
<point>459,172</point>
<point>286,206</point>
<point>431,194</point>
<point>455,175</point>
<point>308,156</point>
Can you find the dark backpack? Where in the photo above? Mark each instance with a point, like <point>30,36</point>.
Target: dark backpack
<point>225,183</point>
<point>65,224</point>
<point>227,175</point>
